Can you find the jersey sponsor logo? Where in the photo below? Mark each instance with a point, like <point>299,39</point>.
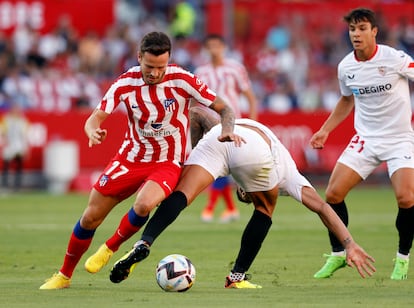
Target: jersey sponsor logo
<point>169,104</point>
<point>372,90</point>
<point>103,180</point>
<point>156,126</point>
<point>154,133</point>
<point>351,76</point>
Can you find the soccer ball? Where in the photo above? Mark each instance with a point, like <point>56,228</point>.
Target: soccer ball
<point>175,273</point>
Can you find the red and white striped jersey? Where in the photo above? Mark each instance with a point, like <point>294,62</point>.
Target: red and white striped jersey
<point>227,80</point>
<point>157,114</point>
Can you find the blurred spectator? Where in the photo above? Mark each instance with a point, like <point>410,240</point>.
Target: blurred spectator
<point>14,132</point>
<point>115,46</point>
<point>291,63</point>
<point>24,37</point>
<point>90,52</point>
<point>184,19</point>
<point>405,35</point>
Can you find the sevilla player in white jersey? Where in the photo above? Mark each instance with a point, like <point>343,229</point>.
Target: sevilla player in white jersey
<point>157,97</point>
<point>229,79</point>
<point>261,166</point>
<point>373,80</point>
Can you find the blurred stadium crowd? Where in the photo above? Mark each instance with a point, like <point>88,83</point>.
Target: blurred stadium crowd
<point>292,67</point>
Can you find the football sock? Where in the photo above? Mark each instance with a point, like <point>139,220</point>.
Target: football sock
<point>341,210</point>
<point>129,225</point>
<point>251,241</point>
<point>212,200</point>
<point>166,213</point>
<point>79,242</point>
<point>228,198</point>
<point>405,227</point>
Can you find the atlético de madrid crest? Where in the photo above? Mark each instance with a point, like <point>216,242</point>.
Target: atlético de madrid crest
<point>169,104</point>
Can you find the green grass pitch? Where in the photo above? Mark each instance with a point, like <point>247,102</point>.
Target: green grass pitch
<point>35,227</point>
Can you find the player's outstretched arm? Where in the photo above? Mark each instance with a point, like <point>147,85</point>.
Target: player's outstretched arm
<point>356,256</point>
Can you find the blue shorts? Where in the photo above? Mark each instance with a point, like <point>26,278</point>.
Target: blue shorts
<point>221,182</point>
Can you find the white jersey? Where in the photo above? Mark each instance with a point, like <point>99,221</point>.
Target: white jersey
<point>227,80</point>
<point>381,92</point>
<point>254,165</point>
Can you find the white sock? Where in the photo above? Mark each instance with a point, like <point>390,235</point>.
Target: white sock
<point>338,253</point>
<point>401,256</point>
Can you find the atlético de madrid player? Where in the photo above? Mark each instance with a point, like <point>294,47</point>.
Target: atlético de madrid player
<point>156,97</point>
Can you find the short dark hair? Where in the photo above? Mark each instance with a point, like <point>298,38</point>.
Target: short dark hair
<point>214,36</point>
<point>156,43</point>
<point>361,14</point>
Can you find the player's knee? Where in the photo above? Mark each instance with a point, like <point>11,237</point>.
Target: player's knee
<point>332,196</point>
<point>90,222</point>
<point>143,207</point>
<point>405,200</point>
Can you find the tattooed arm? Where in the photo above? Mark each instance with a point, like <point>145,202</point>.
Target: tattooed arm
<point>202,119</point>
<point>227,121</point>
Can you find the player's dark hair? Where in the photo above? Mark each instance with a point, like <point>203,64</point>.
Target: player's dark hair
<point>156,43</point>
<point>361,14</point>
<point>213,36</point>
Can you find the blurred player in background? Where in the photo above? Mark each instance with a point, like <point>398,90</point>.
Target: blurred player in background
<point>261,165</point>
<point>230,80</point>
<point>373,80</point>
<point>156,97</point>
<point>14,130</point>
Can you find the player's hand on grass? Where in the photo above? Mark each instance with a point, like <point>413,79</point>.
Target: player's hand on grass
<point>356,257</point>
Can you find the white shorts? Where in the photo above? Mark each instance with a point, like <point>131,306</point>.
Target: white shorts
<point>363,155</point>
<point>255,166</point>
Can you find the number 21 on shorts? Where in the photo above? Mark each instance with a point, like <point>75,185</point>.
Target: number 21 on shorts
<point>357,144</point>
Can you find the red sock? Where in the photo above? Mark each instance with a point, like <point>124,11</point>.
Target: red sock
<point>228,198</point>
<point>213,197</point>
<point>76,249</point>
<point>124,231</point>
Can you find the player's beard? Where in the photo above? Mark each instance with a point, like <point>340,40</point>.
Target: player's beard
<point>149,79</point>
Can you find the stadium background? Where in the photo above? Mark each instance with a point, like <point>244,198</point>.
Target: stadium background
<point>58,57</point>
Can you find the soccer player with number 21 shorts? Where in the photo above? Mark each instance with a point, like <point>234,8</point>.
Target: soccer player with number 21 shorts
<point>373,80</point>
<point>157,97</point>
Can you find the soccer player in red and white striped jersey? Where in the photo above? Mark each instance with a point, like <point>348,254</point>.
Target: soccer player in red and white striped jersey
<point>156,96</point>
<point>229,79</point>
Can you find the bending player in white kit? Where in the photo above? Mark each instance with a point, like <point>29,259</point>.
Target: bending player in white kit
<point>373,80</point>
<point>261,166</point>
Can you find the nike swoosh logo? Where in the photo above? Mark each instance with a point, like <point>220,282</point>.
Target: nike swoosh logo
<point>120,234</point>
<point>166,184</point>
